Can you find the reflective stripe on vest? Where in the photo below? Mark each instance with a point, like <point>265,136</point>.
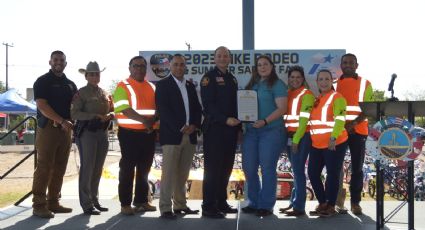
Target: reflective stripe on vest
<point>322,126</point>
<point>362,89</point>
<point>292,119</point>
<point>124,120</point>
<point>353,111</point>
<point>121,102</point>
<point>323,122</point>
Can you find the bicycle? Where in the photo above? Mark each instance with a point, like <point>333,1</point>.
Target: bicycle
<point>372,186</point>
<point>286,184</point>
<point>198,161</point>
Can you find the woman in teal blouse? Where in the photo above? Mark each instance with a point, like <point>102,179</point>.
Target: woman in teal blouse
<point>263,139</point>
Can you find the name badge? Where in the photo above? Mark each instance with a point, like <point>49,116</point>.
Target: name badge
<point>220,80</point>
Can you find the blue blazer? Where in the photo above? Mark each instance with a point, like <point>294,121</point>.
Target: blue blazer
<point>172,115</point>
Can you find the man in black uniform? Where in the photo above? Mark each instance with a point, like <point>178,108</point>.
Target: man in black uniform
<point>53,94</point>
<point>220,132</point>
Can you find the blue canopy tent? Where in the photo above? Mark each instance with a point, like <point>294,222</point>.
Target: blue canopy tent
<point>12,103</point>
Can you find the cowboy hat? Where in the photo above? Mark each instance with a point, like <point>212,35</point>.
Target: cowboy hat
<point>92,67</point>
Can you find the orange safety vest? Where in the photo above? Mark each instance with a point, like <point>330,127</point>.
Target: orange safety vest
<point>322,121</point>
<point>294,106</point>
<point>354,92</point>
<point>141,98</point>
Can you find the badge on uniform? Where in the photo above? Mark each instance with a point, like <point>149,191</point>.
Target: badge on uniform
<point>220,80</point>
<point>205,81</point>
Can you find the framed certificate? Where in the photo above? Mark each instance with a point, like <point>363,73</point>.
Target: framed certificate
<point>247,105</point>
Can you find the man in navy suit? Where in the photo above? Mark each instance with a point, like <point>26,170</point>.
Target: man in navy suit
<point>180,116</point>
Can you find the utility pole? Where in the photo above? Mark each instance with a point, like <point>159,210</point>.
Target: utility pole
<point>248,24</point>
<point>7,64</point>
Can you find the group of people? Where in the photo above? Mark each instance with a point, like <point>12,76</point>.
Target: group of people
<point>315,128</point>
<point>321,129</point>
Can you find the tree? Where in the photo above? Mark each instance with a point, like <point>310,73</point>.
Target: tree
<point>112,86</point>
<point>2,87</point>
<point>417,95</point>
<point>378,95</point>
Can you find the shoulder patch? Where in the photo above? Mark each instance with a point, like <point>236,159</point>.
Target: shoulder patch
<point>205,81</point>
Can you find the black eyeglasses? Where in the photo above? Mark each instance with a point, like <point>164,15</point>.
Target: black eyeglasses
<point>138,66</point>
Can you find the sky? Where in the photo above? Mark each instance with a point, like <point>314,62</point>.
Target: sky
<point>385,35</point>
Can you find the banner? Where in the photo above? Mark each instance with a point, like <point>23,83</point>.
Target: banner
<point>242,61</point>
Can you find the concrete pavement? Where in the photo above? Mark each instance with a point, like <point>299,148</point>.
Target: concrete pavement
<point>114,220</point>
<point>21,217</point>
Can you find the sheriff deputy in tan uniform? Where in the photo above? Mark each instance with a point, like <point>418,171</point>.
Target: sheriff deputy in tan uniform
<point>92,108</point>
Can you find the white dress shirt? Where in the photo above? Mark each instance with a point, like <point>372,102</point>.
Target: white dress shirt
<point>183,91</point>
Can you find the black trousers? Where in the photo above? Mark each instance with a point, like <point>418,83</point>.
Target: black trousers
<point>332,160</point>
<point>137,151</point>
<point>356,143</point>
<point>219,155</point>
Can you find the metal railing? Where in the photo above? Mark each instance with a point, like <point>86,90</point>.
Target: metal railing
<point>34,152</point>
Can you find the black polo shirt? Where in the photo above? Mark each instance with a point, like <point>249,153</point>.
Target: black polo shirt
<point>58,91</point>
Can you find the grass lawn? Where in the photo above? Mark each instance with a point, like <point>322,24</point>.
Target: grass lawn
<point>10,198</point>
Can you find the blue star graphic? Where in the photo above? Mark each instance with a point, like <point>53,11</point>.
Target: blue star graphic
<point>328,58</point>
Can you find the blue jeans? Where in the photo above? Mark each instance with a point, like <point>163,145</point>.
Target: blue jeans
<point>333,160</point>
<point>298,160</point>
<point>262,147</point>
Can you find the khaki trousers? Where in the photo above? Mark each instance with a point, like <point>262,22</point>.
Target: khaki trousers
<point>53,146</point>
<point>176,163</point>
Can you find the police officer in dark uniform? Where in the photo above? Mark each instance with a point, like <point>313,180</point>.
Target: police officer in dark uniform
<point>220,132</point>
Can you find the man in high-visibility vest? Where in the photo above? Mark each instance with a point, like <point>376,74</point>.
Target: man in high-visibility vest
<point>355,89</point>
<point>134,103</point>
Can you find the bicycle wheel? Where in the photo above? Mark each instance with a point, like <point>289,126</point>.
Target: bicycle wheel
<point>152,187</point>
<point>371,190</point>
<point>310,194</point>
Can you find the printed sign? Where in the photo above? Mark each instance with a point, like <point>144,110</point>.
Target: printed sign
<point>242,61</point>
<point>393,139</point>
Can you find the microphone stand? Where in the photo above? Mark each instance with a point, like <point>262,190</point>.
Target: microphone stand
<point>391,88</point>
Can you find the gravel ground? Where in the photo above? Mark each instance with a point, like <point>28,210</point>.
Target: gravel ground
<point>20,180</point>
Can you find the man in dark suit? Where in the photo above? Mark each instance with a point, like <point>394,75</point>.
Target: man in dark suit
<point>180,115</point>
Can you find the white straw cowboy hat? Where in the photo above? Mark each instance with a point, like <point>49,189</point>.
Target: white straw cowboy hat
<point>92,67</point>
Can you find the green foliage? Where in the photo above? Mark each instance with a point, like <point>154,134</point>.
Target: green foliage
<point>420,121</point>
<point>15,120</point>
<point>378,95</point>
<point>417,95</point>
<point>112,86</point>
<point>2,87</point>
<point>10,197</point>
